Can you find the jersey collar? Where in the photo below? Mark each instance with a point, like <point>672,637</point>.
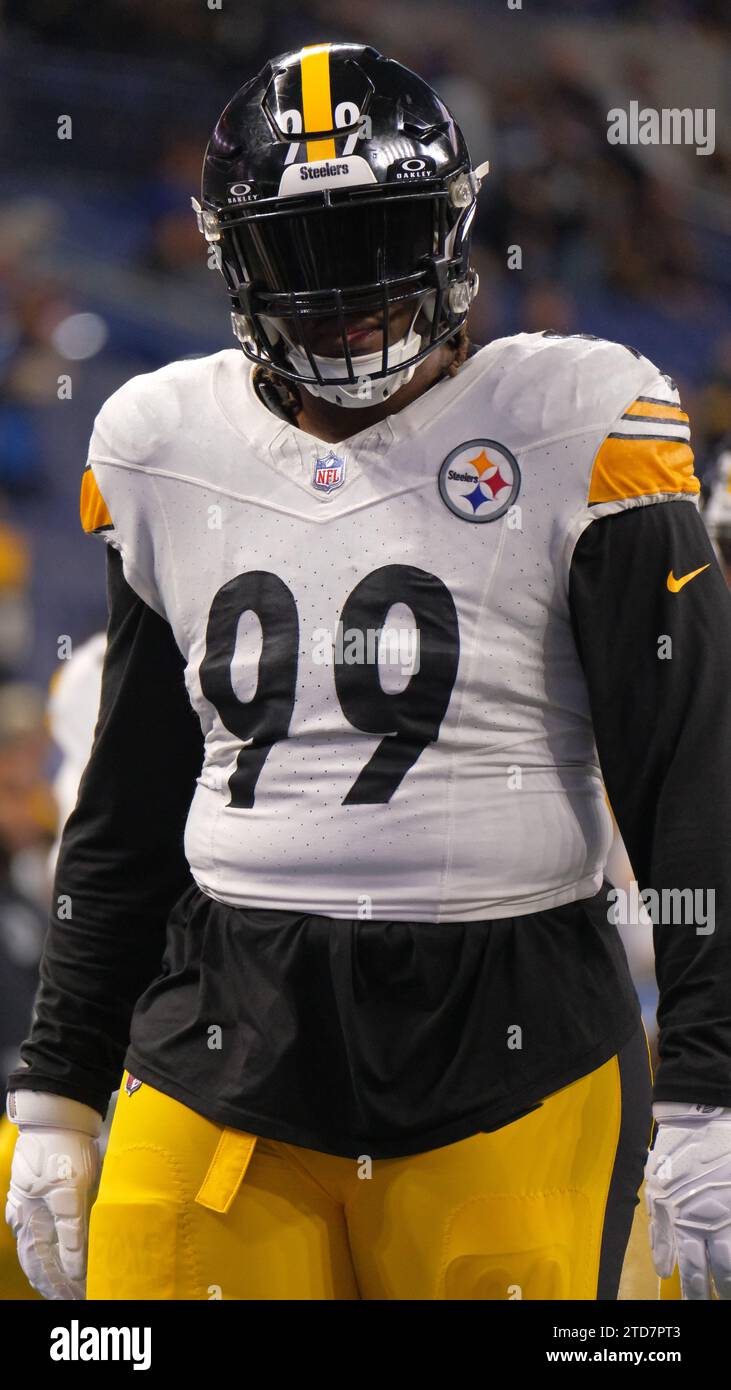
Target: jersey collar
<point>268,427</point>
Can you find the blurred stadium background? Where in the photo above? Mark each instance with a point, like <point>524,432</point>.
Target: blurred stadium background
<point>102,271</point>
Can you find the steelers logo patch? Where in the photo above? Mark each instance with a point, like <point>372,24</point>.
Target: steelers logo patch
<point>479,480</point>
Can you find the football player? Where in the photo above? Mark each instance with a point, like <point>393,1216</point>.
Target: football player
<point>381,603</point>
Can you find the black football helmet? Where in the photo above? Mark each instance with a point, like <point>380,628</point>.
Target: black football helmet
<point>336,185</point>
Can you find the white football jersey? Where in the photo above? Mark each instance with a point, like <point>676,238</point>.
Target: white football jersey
<point>377,633</point>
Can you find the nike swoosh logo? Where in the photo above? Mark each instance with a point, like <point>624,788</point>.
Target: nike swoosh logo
<point>675,585</point>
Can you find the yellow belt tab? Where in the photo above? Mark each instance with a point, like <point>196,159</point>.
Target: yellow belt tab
<point>226,1170</point>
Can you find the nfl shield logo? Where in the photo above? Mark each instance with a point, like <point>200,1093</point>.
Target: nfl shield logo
<point>132,1084</point>
<point>328,473</point>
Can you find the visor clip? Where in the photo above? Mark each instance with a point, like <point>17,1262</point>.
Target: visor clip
<point>479,174</point>
<point>243,329</point>
<point>208,223</point>
<point>462,294</point>
<point>461,191</point>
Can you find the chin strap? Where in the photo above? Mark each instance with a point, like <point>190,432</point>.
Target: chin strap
<point>366,391</point>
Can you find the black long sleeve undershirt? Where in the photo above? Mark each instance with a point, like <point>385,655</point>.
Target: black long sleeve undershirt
<point>121,865</point>
<point>663,732</point>
<point>662,723</point>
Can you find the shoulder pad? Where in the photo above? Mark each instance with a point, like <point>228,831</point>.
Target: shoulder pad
<point>550,385</point>
<point>145,413</point>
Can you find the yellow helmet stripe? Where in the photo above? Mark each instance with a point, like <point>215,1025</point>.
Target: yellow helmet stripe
<point>317,107</point>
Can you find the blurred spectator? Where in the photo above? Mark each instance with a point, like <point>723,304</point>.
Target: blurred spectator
<point>714,407</point>
<point>717,512</point>
<point>16,622</point>
<point>174,246</point>
<point>26,824</point>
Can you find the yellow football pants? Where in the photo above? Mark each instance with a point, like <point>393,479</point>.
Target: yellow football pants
<point>190,1210</point>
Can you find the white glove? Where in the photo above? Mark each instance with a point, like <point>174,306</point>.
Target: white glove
<point>688,1191</point>
<point>53,1183</point>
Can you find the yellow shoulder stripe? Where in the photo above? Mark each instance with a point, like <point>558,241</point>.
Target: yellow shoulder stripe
<point>657,411</point>
<point>634,467</point>
<point>95,514</point>
<point>316,99</point>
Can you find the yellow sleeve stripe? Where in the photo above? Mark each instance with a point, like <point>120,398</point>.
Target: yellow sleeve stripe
<point>316,99</point>
<point>95,514</point>
<point>650,409</point>
<point>635,467</point>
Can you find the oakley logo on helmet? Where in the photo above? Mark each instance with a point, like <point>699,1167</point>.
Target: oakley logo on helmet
<point>241,193</point>
<point>406,170</point>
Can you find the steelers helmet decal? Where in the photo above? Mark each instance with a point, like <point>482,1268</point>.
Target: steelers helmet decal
<point>479,480</point>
